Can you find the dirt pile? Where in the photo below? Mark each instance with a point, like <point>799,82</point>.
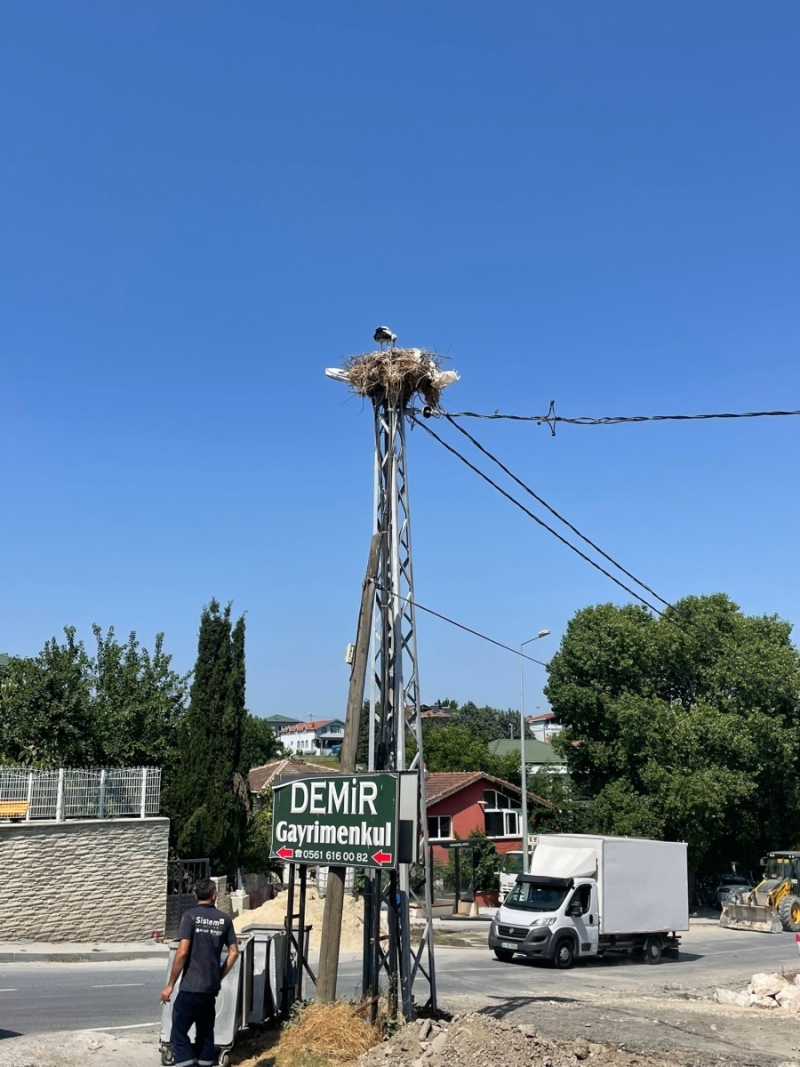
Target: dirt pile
<point>764,991</point>
<point>481,1041</point>
<point>273,912</point>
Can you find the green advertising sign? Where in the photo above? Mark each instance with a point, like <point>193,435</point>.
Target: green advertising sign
<point>337,820</point>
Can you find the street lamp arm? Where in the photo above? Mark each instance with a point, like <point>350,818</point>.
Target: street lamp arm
<point>522,764</point>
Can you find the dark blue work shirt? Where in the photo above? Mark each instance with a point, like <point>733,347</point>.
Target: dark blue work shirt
<point>207,929</point>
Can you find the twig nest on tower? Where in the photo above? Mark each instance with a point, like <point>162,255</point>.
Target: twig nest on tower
<point>396,374</point>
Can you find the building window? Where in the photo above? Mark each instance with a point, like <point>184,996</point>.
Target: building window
<point>503,823</point>
<point>494,800</point>
<point>438,826</point>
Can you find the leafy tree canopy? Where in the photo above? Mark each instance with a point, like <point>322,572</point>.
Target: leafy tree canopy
<point>259,743</point>
<point>67,708</point>
<point>684,727</point>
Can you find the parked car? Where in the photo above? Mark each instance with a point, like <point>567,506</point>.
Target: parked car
<point>732,883</point>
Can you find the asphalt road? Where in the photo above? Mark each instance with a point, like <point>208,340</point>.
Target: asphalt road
<point>38,997</point>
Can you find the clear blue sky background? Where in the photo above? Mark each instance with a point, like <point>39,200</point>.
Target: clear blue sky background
<point>206,204</point>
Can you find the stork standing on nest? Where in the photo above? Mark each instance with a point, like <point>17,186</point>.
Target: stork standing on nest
<point>384,336</point>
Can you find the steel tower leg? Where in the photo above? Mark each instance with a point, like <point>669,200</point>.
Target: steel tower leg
<point>398,739</point>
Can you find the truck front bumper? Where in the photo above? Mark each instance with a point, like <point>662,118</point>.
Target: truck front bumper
<point>534,941</point>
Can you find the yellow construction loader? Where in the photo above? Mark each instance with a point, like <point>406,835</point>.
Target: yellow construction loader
<point>774,904</point>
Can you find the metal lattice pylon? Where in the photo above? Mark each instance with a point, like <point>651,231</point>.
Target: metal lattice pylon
<point>395,728</point>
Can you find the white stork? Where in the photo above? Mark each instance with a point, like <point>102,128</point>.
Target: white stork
<point>384,336</point>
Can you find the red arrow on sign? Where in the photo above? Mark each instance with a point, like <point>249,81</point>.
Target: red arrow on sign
<point>285,853</point>
<point>382,857</point>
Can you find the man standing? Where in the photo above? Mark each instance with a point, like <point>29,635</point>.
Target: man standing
<point>203,932</point>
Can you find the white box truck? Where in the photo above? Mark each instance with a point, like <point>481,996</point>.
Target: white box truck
<point>587,895</point>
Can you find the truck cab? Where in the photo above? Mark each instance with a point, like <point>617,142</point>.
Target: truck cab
<point>555,919</point>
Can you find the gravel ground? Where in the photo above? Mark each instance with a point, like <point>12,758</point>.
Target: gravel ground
<point>80,1048</point>
<point>477,1040</point>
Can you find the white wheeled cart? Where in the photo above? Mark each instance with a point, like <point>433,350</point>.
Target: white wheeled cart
<point>234,1004</point>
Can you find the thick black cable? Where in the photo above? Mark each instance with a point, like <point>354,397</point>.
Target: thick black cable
<point>460,625</point>
<point>536,518</point>
<point>553,511</point>
<point>551,419</point>
<point>678,626</point>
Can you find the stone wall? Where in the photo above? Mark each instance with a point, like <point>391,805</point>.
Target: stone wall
<point>84,880</point>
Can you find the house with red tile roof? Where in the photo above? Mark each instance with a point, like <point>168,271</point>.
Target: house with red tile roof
<point>313,738</point>
<point>279,771</point>
<point>463,801</point>
<point>544,727</point>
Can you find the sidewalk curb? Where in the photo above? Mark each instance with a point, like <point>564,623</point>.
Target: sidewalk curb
<point>98,955</point>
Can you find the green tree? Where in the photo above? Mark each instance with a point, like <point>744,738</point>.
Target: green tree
<point>684,727</point>
<point>65,708</point>
<point>211,792</point>
<point>258,839</point>
<point>451,747</point>
<point>259,743</point>
<point>47,716</point>
<point>139,703</point>
<point>491,724</point>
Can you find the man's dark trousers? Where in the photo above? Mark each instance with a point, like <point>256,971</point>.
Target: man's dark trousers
<point>198,1009</point>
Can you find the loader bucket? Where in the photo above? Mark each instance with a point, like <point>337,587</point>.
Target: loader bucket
<point>762,917</point>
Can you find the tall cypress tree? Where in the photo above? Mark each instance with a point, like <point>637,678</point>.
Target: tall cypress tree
<point>211,792</point>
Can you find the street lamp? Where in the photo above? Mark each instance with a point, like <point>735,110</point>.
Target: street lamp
<point>524,778</point>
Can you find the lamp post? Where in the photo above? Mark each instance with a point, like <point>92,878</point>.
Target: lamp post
<point>523,770</point>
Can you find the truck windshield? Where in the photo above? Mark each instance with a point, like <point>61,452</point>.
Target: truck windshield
<point>512,863</point>
<point>530,897</point>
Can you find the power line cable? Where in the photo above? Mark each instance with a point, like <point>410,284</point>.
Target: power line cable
<point>553,511</point>
<point>460,625</point>
<point>536,518</point>
<point>551,419</point>
<point>697,633</point>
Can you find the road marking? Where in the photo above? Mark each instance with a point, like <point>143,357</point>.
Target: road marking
<point>7,990</point>
<point>116,985</point>
<point>105,1029</point>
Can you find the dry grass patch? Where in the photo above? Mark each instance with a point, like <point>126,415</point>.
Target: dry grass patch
<point>323,1035</point>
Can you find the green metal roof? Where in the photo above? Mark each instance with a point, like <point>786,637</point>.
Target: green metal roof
<point>535,751</point>
<point>282,719</point>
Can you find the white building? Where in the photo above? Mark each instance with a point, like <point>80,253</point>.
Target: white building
<point>313,738</point>
<point>544,727</point>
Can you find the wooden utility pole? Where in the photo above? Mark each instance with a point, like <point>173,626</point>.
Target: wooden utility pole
<point>334,894</point>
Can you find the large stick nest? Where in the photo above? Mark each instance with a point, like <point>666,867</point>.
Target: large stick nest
<point>398,374</point>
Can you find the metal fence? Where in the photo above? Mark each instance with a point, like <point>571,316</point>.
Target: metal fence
<point>111,793</point>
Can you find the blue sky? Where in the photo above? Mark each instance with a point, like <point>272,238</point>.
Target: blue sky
<point>204,205</point>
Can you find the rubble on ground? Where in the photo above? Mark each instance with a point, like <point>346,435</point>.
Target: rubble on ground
<point>764,991</point>
<point>481,1041</point>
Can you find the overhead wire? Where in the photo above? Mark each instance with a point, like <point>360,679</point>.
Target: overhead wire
<point>681,628</point>
<point>460,625</point>
<point>551,419</point>
<point>536,518</point>
<point>553,511</point>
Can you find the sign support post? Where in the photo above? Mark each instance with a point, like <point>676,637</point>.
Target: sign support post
<point>334,894</point>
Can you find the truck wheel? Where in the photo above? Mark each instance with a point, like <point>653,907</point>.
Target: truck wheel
<point>504,955</point>
<point>789,911</point>
<point>653,949</point>
<point>564,955</point>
